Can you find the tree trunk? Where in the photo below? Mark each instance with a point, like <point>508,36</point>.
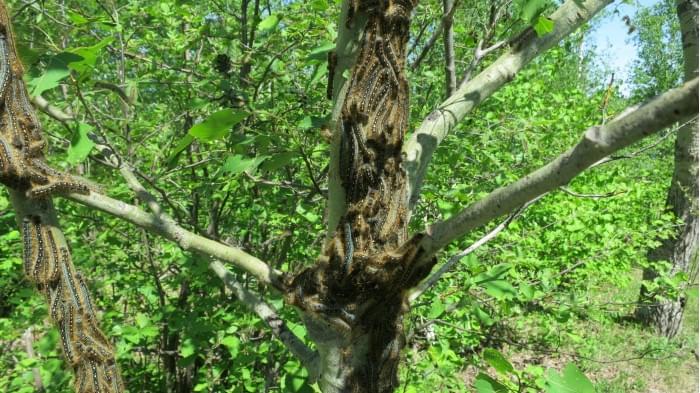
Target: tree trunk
<point>354,298</point>
<point>682,250</point>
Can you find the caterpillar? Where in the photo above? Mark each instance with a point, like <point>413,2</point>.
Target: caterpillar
<point>47,261</point>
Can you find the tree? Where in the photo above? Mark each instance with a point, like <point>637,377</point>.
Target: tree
<point>353,299</point>
<point>680,250</point>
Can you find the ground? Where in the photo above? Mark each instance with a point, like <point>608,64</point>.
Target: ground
<point>619,355</point>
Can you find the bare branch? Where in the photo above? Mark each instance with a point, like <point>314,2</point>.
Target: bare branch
<point>423,142</point>
<point>41,103</point>
<point>268,314</point>
<point>497,11</point>
<point>28,339</point>
<point>308,358</point>
<point>448,39</point>
<point>596,143</point>
<point>445,21</point>
<point>430,281</point>
<point>187,240</point>
<point>594,196</point>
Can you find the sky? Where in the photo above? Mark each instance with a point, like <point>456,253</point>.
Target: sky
<point>610,39</point>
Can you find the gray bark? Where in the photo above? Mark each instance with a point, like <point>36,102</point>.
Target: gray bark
<point>682,249</point>
<point>449,44</point>
<point>419,147</point>
<point>597,143</point>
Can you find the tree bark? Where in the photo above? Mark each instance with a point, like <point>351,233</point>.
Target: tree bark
<point>681,250</point>
<point>423,142</point>
<point>354,298</point>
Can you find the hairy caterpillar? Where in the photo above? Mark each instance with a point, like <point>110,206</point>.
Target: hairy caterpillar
<point>22,163</point>
<point>47,261</point>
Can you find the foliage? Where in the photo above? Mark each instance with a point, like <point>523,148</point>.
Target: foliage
<point>657,35</point>
<point>221,108</point>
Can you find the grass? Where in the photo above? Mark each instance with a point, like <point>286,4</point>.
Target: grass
<point>617,354</point>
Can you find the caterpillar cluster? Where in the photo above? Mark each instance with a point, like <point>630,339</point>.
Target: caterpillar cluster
<point>358,285</point>
<point>47,260</point>
<point>22,162</point>
<point>49,266</point>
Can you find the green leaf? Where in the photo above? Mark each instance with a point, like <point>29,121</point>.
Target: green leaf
<point>309,122</point>
<point>496,360</point>
<point>320,53</point>
<point>80,145</point>
<point>527,292</point>
<point>436,309</point>
<point>532,9</point>
<point>217,125</point>
<point>233,344</point>
<point>187,348</point>
<point>308,215</point>
<point>236,164</point>
<point>320,71</point>
<point>269,23</point>
<point>499,289</point>
<point>89,55</point>
<point>55,72</point>
<point>494,273</point>
<point>319,5</point>
<point>572,380</point>
<point>278,160</point>
<point>483,316</point>
<point>142,320</point>
<point>543,26</point>
<point>485,384</point>
<point>77,19</point>
<point>500,269</point>
<point>181,145</point>
<point>27,54</point>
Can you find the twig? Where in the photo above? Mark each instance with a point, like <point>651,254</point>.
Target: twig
<point>28,339</point>
<point>41,103</point>
<point>187,240</point>
<point>268,314</point>
<point>594,196</point>
<point>446,19</point>
<point>479,52</point>
<point>297,188</point>
<point>430,281</point>
<point>449,52</point>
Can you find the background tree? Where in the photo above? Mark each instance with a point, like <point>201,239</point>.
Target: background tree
<point>141,101</point>
<point>680,251</point>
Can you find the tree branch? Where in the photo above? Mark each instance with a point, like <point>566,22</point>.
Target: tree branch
<point>597,142</point>
<point>167,228</point>
<point>268,314</point>
<point>448,39</point>
<point>309,358</point>
<point>497,11</point>
<point>41,103</point>
<point>430,281</point>
<point>444,22</point>
<point>423,142</point>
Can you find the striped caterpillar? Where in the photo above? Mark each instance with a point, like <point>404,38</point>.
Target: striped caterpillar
<point>46,259</point>
<point>49,266</point>
<point>22,162</point>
